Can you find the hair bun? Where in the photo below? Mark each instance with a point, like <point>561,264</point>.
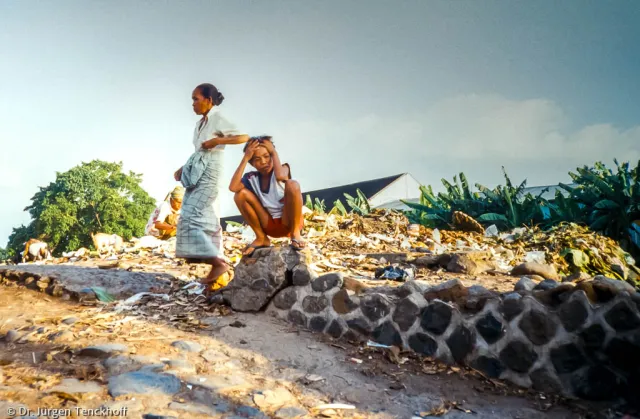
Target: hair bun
<point>219,98</point>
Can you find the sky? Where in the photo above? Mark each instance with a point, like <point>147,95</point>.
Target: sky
<point>350,90</point>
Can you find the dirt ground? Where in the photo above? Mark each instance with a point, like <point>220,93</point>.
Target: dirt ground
<point>261,353</point>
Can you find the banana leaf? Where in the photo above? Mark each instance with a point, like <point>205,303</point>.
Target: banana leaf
<point>577,257</point>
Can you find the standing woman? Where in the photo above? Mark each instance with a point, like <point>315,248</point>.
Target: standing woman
<point>199,236</point>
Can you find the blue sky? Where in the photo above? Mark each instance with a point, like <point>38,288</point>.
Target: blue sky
<point>350,90</point>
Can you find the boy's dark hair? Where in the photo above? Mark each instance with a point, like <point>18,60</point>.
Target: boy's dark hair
<point>259,139</point>
<point>209,91</point>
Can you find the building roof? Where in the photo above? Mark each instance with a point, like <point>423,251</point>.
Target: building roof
<point>368,187</point>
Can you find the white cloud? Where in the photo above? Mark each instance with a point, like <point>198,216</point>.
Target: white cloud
<point>476,134</point>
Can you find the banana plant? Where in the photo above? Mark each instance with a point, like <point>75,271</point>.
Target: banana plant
<point>316,205</point>
<point>610,200</point>
<point>358,204</point>
<point>338,208</point>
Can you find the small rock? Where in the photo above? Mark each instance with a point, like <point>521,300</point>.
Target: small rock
<point>237,324</point>
<point>213,356</point>
<point>577,277</point>
<point>387,334</point>
<point>534,268</point>
<point>121,364</point>
<point>423,344</point>
<point>461,343</point>
<point>290,413</point>
<point>465,264</point>
<point>103,351</point>
<point>181,366</point>
<point>70,320</point>
<point>75,386</point>
<point>490,328</point>
<point>272,399</point>
<point>547,284</point>
<point>220,383</point>
<point>525,284</point>
<point>11,336</point>
<point>187,346</point>
<point>407,311</point>
<point>143,382</point>
<point>451,291</point>
<point>63,336</point>
<point>249,412</point>
<point>616,284</point>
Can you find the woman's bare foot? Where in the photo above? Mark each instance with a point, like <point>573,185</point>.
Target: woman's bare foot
<point>258,243</point>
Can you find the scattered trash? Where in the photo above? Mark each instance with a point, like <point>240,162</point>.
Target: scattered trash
<point>103,295</point>
<point>491,231</point>
<point>356,360</point>
<point>377,345</point>
<point>392,273</point>
<point>535,256</point>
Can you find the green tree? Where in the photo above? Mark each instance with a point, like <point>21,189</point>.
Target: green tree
<point>91,197</point>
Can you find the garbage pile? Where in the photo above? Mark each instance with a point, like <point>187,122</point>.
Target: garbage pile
<point>381,246</point>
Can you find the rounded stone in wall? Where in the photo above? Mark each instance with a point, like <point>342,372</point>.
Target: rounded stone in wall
<point>512,305</point>
<point>436,317</point>
<point>343,303</point>
<point>406,313</point>
<point>423,344</point>
<point>360,325</point>
<point>317,324</point>
<point>592,339</point>
<point>327,282</point>
<point>596,382</point>
<point>622,318</point>
<point>298,318</point>
<point>518,356</point>
<point>573,314</point>
<point>302,275</point>
<point>312,304</point>
<point>285,299</point>
<point>567,358</point>
<point>337,328</point>
<point>544,380</point>
<point>387,334</point>
<point>491,367</point>
<point>461,343</point>
<point>375,307</point>
<point>538,327</point>
<point>623,352</point>
<point>490,328</point>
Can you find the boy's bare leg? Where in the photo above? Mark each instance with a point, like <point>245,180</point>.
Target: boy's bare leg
<point>255,215</point>
<point>292,213</point>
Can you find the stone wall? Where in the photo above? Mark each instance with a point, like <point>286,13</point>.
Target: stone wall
<point>580,340</point>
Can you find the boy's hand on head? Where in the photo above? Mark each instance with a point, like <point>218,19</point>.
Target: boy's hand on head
<point>269,146</point>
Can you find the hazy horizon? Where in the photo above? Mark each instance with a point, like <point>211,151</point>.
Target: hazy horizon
<point>350,91</point>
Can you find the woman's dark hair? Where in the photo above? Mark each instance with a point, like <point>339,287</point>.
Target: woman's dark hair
<point>259,139</point>
<point>209,91</point>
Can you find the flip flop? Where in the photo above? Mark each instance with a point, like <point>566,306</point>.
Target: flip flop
<point>251,246</point>
<point>298,244</point>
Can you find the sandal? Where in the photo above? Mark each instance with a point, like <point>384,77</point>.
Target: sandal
<point>298,244</point>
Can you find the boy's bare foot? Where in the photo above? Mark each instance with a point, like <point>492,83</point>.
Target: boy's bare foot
<point>258,243</point>
<point>297,242</point>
